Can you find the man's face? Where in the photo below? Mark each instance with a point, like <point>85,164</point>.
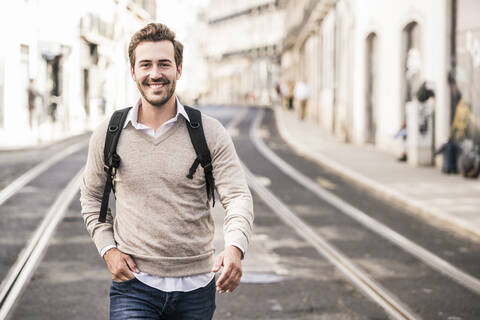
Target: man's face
<point>155,71</point>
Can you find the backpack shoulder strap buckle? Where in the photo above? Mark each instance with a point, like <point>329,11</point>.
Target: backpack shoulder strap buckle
<point>208,168</point>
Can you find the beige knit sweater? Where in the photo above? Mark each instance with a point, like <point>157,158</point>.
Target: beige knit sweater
<point>163,219</point>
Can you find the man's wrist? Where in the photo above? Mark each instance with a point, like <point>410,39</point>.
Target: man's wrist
<point>237,250</point>
<point>106,249</point>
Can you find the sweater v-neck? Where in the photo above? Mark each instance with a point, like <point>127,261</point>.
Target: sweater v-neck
<point>156,141</point>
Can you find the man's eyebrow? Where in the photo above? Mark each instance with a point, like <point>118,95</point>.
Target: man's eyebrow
<point>161,60</point>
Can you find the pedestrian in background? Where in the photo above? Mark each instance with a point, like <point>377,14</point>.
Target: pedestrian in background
<point>284,94</point>
<point>278,94</point>
<point>158,248</point>
<point>301,94</point>
<point>33,96</point>
<point>290,88</point>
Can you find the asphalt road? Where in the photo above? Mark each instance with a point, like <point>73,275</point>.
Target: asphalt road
<point>285,277</point>
<point>429,294</point>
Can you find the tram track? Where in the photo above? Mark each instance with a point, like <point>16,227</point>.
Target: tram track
<point>388,299</point>
<point>391,304</point>
<point>353,273</point>
<point>28,259</point>
<point>33,189</point>
<point>31,255</point>
<point>16,185</point>
<point>409,247</point>
<point>402,242</point>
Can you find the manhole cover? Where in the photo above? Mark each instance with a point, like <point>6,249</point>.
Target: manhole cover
<point>253,277</point>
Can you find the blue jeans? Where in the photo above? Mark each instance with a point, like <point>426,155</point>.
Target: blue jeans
<point>133,299</point>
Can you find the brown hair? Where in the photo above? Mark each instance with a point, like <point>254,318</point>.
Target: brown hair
<point>155,32</point>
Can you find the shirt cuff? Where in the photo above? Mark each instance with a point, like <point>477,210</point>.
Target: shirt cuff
<point>235,244</point>
<point>105,249</point>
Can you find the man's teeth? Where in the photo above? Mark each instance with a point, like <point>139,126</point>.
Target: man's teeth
<point>156,85</point>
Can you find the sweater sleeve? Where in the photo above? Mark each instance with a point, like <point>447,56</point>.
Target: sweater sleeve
<point>231,186</point>
<point>91,192</point>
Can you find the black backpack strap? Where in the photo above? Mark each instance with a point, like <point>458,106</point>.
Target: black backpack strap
<point>197,136</point>
<point>110,157</point>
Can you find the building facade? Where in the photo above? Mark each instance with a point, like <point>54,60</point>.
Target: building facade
<point>242,50</point>
<point>74,63</point>
<point>467,56</point>
<point>365,60</point>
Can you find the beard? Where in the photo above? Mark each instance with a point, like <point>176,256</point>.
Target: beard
<point>155,99</point>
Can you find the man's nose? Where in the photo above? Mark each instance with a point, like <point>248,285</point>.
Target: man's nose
<point>156,72</point>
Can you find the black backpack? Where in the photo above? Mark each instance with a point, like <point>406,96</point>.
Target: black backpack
<point>112,159</point>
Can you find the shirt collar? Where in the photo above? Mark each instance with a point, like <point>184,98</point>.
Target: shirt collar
<point>133,114</point>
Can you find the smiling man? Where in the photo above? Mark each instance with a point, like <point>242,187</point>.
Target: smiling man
<point>158,248</point>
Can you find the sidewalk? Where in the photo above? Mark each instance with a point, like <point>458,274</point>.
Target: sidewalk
<point>449,200</point>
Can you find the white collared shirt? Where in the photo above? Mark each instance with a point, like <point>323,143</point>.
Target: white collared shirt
<point>132,117</point>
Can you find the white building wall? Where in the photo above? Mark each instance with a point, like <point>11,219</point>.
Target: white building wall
<point>222,8</point>
<point>328,51</point>
<point>243,42</point>
<point>249,31</point>
<point>44,32</point>
<point>343,40</point>
<point>341,28</point>
<point>310,74</point>
<point>15,98</point>
<point>388,19</point>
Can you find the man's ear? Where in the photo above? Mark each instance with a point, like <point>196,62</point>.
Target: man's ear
<point>179,71</point>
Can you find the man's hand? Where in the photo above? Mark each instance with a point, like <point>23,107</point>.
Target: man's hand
<point>230,259</point>
<point>120,265</point>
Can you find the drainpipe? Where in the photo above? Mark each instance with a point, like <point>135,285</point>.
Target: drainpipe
<point>453,58</point>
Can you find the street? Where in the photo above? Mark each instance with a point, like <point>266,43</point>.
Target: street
<point>323,247</point>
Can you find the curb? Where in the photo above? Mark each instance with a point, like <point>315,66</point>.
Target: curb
<point>387,193</point>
